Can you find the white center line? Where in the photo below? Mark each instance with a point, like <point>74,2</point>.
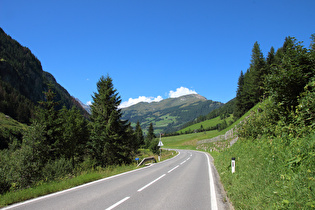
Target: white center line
<point>183,162</point>
<point>173,169</point>
<point>151,183</point>
<point>118,203</point>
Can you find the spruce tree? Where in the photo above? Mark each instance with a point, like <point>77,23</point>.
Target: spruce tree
<point>48,117</point>
<point>239,103</point>
<point>109,143</point>
<point>150,136</point>
<point>74,134</point>
<point>139,135</point>
<point>258,70</point>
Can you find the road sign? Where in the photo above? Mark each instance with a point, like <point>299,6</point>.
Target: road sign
<point>160,144</point>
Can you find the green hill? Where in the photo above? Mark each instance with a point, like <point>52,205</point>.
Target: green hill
<point>170,114</point>
<point>10,130</point>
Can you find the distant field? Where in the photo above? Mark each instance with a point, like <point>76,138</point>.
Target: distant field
<point>189,141</point>
<point>206,124</point>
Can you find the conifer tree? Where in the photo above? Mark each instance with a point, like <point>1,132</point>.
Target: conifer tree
<point>139,134</point>
<point>109,143</point>
<point>258,70</point>
<point>74,134</point>
<point>150,136</point>
<point>48,117</point>
<point>293,70</point>
<point>239,103</point>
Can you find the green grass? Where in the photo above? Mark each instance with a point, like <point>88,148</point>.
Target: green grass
<point>44,188</point>
<point>206,124</point>
<point>267,174</point>
<point>9,123</point>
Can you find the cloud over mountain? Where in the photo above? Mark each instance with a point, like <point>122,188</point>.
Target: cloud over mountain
<point>133,101</point>
<point>172,94</point>
<point>182,91</point>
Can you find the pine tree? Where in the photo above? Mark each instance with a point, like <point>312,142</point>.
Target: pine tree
<point>258,70</point>
<point>48,117</point>
<point>150,136</point>
<point>239,103</point>
<point>74,134</point>
<point>139,135</point>
<point>109,143</point>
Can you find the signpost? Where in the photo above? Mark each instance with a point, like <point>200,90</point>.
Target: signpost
<point>233,165</point>
<point>160,145</point>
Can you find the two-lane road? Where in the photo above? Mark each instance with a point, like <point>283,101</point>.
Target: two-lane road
<point>183,182</point>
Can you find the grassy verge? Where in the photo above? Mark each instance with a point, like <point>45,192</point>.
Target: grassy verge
<point>269,175</point>
<point>44,188</point>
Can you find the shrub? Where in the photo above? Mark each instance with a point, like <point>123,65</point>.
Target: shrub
<point>57,169</point>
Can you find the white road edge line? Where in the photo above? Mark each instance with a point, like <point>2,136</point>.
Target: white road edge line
<point>118,203</point>
<point>77,187</point>
<point>173,169</point>
<point>213,196</point>
<point>150,183</point>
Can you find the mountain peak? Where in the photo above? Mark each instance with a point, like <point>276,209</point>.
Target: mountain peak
<point>169,114</point>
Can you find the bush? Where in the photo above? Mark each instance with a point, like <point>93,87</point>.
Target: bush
<point>154,146</point>
<point>57,169</point>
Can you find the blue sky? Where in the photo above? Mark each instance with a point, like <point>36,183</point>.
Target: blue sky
<point>153,49</point>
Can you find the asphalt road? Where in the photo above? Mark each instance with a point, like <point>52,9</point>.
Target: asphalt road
<point>183,182</point>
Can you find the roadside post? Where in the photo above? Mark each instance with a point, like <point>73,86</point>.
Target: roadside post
<point>137,159</point>
<point>160,145</point>
<point>233,164</point>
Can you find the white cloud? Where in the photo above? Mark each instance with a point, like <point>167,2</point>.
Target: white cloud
<point>133,101</point>
<point>89,103</point>
<point>181,92</point>
<point>172,94</point>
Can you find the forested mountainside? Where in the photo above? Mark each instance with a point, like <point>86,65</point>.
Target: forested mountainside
<point>170,114</point>
<point>23,81</point>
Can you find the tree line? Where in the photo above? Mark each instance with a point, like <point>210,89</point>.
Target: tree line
<point>282,75</point>
<point>62,141</point>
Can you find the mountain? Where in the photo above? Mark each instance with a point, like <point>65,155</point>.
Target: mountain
<point>170,114</point>
<point>23,81</point>
<point>86,107</point>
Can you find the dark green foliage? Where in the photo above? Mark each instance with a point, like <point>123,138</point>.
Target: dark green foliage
<point>250,87</point>
<point>48,117</point>
<point>9,135</point>
<point>14,104</point>
<point>240,109</point>
<point>294,68</point>
<point>150,136</point>
<point>75,134</point>
<point>110,143</point>
<point>139,135</point>
<point>154,146</point>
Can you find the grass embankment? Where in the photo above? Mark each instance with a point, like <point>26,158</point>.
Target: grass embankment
<point>269,174</point>
<point>44,188</point>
